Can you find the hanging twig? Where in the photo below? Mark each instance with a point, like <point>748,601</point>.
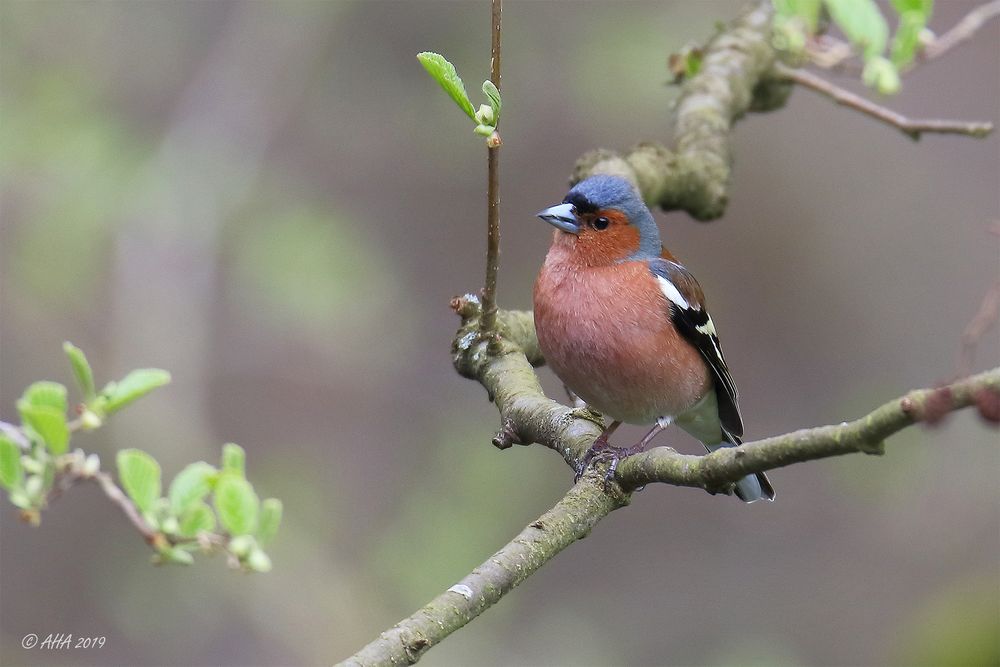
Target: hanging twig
<point>909,127</point>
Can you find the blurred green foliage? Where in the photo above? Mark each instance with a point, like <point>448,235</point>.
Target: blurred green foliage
<point>865,27</point>
<point>958,625</point>
<point>182,523</point>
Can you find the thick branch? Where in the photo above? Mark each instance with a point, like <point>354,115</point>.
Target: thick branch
<point>571,519</point>
<point>693,174</point>
<point>909,127</point>
<point>717,471</point>
<point>527,416</point>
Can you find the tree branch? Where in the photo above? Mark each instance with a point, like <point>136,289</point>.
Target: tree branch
<point>911,128</point>
<point>693,175</point>
<point>528,416</point>
<point>571,519</point>
<point>717,471</point>
<point>532,417</point>
<point>492,190</point>
<point>962,30</point>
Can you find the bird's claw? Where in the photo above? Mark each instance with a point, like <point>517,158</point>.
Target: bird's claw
<point>601,450</point>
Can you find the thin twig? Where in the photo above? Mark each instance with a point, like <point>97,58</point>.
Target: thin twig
<point>153,538</point>
<point>15,434</point>
<point>911,128</point>
<point>962,31</point>
<point>984,320</point>
<point>488,322</point>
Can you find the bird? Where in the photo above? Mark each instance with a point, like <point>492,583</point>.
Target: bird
<point>624,325</point>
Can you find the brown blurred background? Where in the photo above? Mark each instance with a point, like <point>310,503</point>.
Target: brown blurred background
<point>274,202</point>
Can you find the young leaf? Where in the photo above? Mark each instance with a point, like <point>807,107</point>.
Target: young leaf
<point>805,10</point>
<point>11,473</point>
<point>48,422</point>
<point>258,561</point>
<point>140,475</point>
<point>46,394</point>
<point>236,504</point>
<point>234,459</point>
<point>81,370</point>
<point>923,7</point>
<point>270,519</point>
<point>862,22</point>
<point>198,518</point>
<point>493,95</point>
<point>444,73</point>
<point>174,555</point>
<point>907,38</point>
<point>136,384</point>
<point>190,485</point>
<point>881,75</point>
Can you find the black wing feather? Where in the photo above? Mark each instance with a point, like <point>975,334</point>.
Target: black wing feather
<point>695,324</point>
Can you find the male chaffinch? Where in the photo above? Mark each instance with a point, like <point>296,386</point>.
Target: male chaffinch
<point>623,324</point>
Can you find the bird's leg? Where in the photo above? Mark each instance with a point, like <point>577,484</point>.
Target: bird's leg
<point>600,445</point>
<point>625,452</point>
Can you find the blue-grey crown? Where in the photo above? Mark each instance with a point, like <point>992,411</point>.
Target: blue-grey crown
<point>603,191</point>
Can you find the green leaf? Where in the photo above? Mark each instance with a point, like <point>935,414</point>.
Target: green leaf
<point>81,370</point>
<point>907,38</point>
<point>923,7</point>
<point>46,394</point>
<point>806,10</point>
<point>135,385</point>
<point>140,475</point>
<point>258,561</point>
<point>174,555</point>
<point>444,73</point>
<point>236,504</point>
<point>493,95</point>
<point>190,485</point>
<point>198,518</point>
<point>234,459</point>
<point>48,422</point>
<point>862,23</point>
<point>484,130</point>
<point>881,75</point>
<point>270,519</point>
<point>11,473</point>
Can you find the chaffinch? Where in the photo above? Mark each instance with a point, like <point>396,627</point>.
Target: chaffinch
<point>624,325</point>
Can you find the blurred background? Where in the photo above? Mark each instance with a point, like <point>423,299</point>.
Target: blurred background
<point>275,202</point>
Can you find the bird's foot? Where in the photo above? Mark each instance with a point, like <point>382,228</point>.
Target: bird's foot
<point>602,450</point>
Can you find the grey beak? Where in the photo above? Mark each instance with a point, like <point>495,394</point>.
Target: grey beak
<point>562,216</point>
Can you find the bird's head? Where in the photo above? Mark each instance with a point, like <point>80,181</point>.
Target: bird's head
<point>603,221</point>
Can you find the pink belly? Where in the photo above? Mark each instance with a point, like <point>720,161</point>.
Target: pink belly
<point>618,354</point>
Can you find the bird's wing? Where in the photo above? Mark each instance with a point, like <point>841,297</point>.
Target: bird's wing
<point>689,315</point>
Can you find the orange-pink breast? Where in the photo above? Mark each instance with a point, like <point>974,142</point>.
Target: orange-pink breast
<point>605,332</point>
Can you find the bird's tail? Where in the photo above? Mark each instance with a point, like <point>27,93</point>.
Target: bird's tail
<point>752,487</point>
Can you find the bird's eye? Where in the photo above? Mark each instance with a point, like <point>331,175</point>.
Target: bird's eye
<point>601,223</point>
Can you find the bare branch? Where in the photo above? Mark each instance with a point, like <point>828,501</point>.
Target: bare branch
<point>962,31</point>
<point>984,320</point>
<point>493,191</point>
<point>571,519</point>
<point>911,128</point>
<point>719,470</point>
